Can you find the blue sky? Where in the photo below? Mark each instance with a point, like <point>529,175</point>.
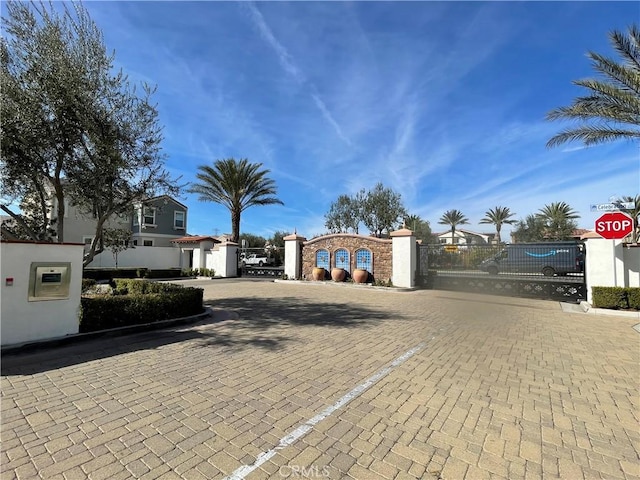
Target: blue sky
<point>443,102</point>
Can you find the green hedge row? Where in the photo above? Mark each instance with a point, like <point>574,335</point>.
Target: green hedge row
<point>136,302</point>
<point>616,297</point>
<point>112,273</point>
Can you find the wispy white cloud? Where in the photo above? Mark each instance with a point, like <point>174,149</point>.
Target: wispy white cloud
<point>289,66</point>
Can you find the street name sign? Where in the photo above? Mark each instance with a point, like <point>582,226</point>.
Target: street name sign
<point>611,207</point>
<point>614,225</point>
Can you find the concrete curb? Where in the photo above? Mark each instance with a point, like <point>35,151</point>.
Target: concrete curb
<point>605,311</point>
<point>366,286</point>
<point>216,316</point>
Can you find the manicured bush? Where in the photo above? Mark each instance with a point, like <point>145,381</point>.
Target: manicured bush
<point>88,284</point>
<point>110,273</point>
<point>616,297</point>
<point>136,302</point>
<point>164,273</point>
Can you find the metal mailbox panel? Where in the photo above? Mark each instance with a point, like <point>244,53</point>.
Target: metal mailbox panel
<point>49,281</point>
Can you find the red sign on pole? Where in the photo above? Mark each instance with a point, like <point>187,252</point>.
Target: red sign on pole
<point>614,225</point>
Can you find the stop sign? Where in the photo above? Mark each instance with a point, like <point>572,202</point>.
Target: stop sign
<point>614,225</point>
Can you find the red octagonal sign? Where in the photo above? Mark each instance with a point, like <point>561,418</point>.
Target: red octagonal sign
<point>614,225</point>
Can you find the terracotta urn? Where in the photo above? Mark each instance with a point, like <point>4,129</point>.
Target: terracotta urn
<point>360,276</point>
<point>318,273</point>
<point>338,274</point>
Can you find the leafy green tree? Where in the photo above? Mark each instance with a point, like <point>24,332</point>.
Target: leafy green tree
<point>610,109</point>
<point>382,210</point>
<point>236,184</point>
<point>453,218</point>
<point>498,216</point>
<point>559,221</point>
<point>345,214</point>
<point>117,240</point>
<point>421,228</point>
<point>253,241</point>
<point>531,229</point>
<point>71,129</point>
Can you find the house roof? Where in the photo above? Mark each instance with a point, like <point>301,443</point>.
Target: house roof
<point>165,196</point>
<point>468,232</point>
<point>195,239</point>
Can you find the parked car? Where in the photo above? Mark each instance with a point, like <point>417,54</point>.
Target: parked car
<point>548,258</point>
<point>255,259</point>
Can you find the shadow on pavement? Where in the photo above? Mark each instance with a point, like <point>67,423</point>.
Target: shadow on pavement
<point>255,317</point>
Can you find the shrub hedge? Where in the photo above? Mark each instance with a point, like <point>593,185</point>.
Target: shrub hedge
<point>136,302</point>
<point>616,297</point>
<point>112,273</point>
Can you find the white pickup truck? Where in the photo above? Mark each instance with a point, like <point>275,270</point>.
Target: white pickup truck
<point>255,259</point>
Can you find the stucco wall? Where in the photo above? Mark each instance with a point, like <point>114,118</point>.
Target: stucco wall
<point>149,257</point>
<point>609,263</point>
<point>28,321</point>
<point>379,247</point>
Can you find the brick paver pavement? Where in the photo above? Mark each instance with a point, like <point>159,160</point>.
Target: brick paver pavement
<point>502,388</point>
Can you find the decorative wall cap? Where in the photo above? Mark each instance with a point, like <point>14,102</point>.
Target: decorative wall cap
<point>403,232</point>
<point>347,235</point>
<point>294,236</point>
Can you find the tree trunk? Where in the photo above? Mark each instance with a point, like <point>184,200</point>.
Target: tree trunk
<point>235,225</point>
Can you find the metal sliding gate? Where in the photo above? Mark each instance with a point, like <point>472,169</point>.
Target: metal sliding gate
<point>482,269</point>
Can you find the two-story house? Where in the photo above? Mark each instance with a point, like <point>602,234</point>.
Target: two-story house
<point>157,221</point>
<point>152,223</point>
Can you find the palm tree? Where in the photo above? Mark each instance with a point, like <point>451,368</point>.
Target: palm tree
<point>611,109</point>
<point>237,185</point>
<point>498,216</point>
<point>559,220</point>
<point>635,214</point>
<point>453,218</point>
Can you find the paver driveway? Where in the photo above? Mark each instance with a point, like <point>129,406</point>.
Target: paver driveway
<point>490,388</point>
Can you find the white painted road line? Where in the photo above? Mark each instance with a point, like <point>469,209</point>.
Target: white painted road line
<point>303,429</point>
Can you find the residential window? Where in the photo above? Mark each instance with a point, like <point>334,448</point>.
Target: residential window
<point>87,241</point>
<point>149,214</point>
<point>147,243</point>
<point>178,220</point>
<point>135,243</point>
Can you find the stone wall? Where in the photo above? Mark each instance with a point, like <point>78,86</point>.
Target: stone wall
<point>380,248</point>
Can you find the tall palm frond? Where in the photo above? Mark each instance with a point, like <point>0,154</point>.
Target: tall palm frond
<point>498,216</point>
<point>237,185</point>
<point>453,218</point>
<point>611,109</point>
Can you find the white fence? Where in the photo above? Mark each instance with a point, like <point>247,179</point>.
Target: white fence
<point>148,257</point>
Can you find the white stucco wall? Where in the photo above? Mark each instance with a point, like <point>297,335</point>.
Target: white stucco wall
<point>22,320</point>
<point>149,257</point>
<point>292,260</point>
<point>404,258</point>
<point>609,263</point>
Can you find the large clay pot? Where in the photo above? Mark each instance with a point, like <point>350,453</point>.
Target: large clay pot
<point>360,276</point>
<point>338,274</point>
<point>318,273</point>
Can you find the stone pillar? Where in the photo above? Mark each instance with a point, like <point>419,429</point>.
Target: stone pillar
<point>228,259</point>
<point>403,258</point>
<point>293,256</point>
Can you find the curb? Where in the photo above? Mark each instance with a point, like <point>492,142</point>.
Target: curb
<point>216,316</point>
<point>588,309</point>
